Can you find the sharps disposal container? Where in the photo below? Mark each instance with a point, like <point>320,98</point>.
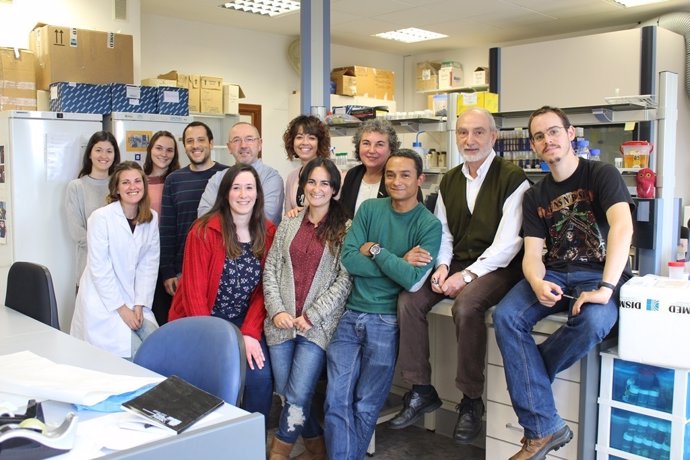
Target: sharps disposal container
<point>654,320</point>
<point>636,154</point>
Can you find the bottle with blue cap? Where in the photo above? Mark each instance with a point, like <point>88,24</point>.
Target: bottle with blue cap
<point>417,147</point>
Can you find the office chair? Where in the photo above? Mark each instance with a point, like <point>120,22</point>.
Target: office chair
<point>30,291</point>
<point>206,351</point>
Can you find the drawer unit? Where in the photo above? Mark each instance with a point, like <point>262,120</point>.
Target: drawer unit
<point>563,390</point>
<point>643,411</point>
<point>575,390</point>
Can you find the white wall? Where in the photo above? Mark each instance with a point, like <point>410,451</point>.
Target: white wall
<point>18,18</point>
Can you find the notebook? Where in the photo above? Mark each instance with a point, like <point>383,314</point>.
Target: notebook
<point>173,404</point>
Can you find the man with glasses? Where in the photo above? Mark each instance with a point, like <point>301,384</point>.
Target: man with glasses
<point>245,145</point>
<point>479,206</point>
<point>181,194</point>
<point>581,213</point>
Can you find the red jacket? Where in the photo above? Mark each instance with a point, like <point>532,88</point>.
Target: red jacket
<point>202,268</point>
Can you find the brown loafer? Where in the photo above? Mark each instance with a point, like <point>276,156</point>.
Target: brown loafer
<point>536,449</point>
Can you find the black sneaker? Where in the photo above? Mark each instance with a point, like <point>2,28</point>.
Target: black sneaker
<point>469,423</point>
<point>415,405</point>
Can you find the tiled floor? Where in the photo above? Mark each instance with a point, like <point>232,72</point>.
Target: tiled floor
<point>411,443</point>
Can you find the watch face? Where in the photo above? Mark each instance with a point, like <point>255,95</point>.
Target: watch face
<point>466,277</point>
<point>375,249</point>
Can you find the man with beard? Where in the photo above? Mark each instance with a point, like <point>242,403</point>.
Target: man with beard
<point>479,206</point>
<point>581,212</point>
<point>245,146</point>
<point>181,194</point>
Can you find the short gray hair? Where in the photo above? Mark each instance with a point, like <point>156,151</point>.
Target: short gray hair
<point>376,125</point>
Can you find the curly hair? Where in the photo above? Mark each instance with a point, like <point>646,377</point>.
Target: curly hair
<point>309,125</point>
<point>376,125</point>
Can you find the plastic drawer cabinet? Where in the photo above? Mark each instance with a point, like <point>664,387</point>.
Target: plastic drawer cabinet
<point>644,411</point>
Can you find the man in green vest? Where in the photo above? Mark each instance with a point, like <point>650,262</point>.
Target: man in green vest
<point>479,205</point>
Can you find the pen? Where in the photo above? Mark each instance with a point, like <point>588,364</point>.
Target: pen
<point>568,296</point>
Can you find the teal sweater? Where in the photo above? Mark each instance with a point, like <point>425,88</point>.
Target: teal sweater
<point>377,282</point>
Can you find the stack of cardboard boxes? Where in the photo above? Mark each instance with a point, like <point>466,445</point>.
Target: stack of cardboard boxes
<point>363,81</point>
<point>86,71</point>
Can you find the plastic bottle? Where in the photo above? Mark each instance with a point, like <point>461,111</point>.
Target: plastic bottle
<point>595,154</point>
<point>417,147</point>
<point>583,149</point>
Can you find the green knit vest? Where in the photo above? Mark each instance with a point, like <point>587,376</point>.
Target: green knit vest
<point>473,233</point>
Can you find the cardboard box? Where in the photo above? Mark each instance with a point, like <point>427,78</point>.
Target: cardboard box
<point>364,81</point>
<point>480,76</point>
<point>450,75</point>
<point>158,82</point>
<point>211,95</point>
<point>132,98</point>
<point>82,56</point>
<point>42,100</point>
<point>483,99</point>
<point>653,321</point>
<point>80,98</point>
<point>191,82</point>
<point>231,98</point>
<point>427,76</point>
<point>17,79</point>
<point>172,100</point>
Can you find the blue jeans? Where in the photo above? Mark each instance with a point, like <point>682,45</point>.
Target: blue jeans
<point>297,366</point>
<point>258,386</point>
<point>360,363</point>
<point>529,368</point>
<point>147,328</point>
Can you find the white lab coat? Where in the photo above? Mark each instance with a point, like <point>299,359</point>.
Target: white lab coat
<point>121,269</point>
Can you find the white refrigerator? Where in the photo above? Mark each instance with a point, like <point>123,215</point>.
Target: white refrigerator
<point>134,130</point>
<point>40,152</point>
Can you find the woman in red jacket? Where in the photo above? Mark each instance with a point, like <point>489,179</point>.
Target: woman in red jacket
<point>221,274</point>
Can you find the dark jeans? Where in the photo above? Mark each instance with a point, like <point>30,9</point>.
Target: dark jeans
<point>469,310</point>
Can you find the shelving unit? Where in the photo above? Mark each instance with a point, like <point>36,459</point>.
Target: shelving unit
<point>643,411</point>
<point>402,125</point>
<point>461,89</point>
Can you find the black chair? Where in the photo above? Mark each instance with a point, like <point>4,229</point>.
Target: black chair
<point>30,291</point>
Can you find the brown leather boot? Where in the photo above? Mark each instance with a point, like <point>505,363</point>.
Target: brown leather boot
<point>314,449</point>
<point>279,450</point>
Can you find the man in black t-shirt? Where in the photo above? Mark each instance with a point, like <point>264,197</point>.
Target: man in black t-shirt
<point>581,213</point>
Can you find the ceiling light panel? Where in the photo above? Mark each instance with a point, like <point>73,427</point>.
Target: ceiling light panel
<point>263,7</point>
<point>410,35</point>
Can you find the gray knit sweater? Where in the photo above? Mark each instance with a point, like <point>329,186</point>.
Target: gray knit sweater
<point>325,301</point>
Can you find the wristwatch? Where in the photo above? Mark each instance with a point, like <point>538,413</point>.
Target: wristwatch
<point>467,276</point>
<point>374,250</point>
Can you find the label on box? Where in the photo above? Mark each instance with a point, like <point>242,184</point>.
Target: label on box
<point>171,96</point>
<point>134,101</point>
<point>72,38</point>
<point>110,40</point>
<point>469,98</point>
<point>133,92</point>
<point>426,74</point>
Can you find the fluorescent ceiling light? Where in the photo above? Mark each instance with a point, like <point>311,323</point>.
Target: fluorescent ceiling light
<point>633,3</point>
<point>410,35</point>
<point>263,7</point>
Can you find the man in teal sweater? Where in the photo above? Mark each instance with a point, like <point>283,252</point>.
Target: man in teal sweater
<point>385,234</point>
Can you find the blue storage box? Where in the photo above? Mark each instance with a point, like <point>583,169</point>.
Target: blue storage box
<point>643,385</point>
<point>172,100</point>
<point>80,98</point>
<point>642,435</point>
<point>132,98</point>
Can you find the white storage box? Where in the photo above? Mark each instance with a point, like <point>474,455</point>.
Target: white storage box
<point>654,320</point>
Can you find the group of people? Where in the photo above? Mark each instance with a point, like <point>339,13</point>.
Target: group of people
<point>337,274</point>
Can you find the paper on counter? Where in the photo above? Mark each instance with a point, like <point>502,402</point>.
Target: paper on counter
<point>25,373</point>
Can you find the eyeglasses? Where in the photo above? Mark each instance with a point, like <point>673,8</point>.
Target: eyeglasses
<point>551,132</point>
<point>246,140</point>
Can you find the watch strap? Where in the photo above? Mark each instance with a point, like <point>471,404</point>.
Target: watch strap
<point>606,285</point>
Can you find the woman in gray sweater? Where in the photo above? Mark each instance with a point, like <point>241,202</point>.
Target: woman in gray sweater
<point>305,289</point>
<point>87,193</point>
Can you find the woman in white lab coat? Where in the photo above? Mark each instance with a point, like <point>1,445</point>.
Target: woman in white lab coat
<point>113,307</point>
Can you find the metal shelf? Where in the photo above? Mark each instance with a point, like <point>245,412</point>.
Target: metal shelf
<point>588,115</point>
<point>406,125</point>
<point>462,89</point>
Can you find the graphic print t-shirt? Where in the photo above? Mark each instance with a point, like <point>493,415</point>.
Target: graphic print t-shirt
<point>571,215</point>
